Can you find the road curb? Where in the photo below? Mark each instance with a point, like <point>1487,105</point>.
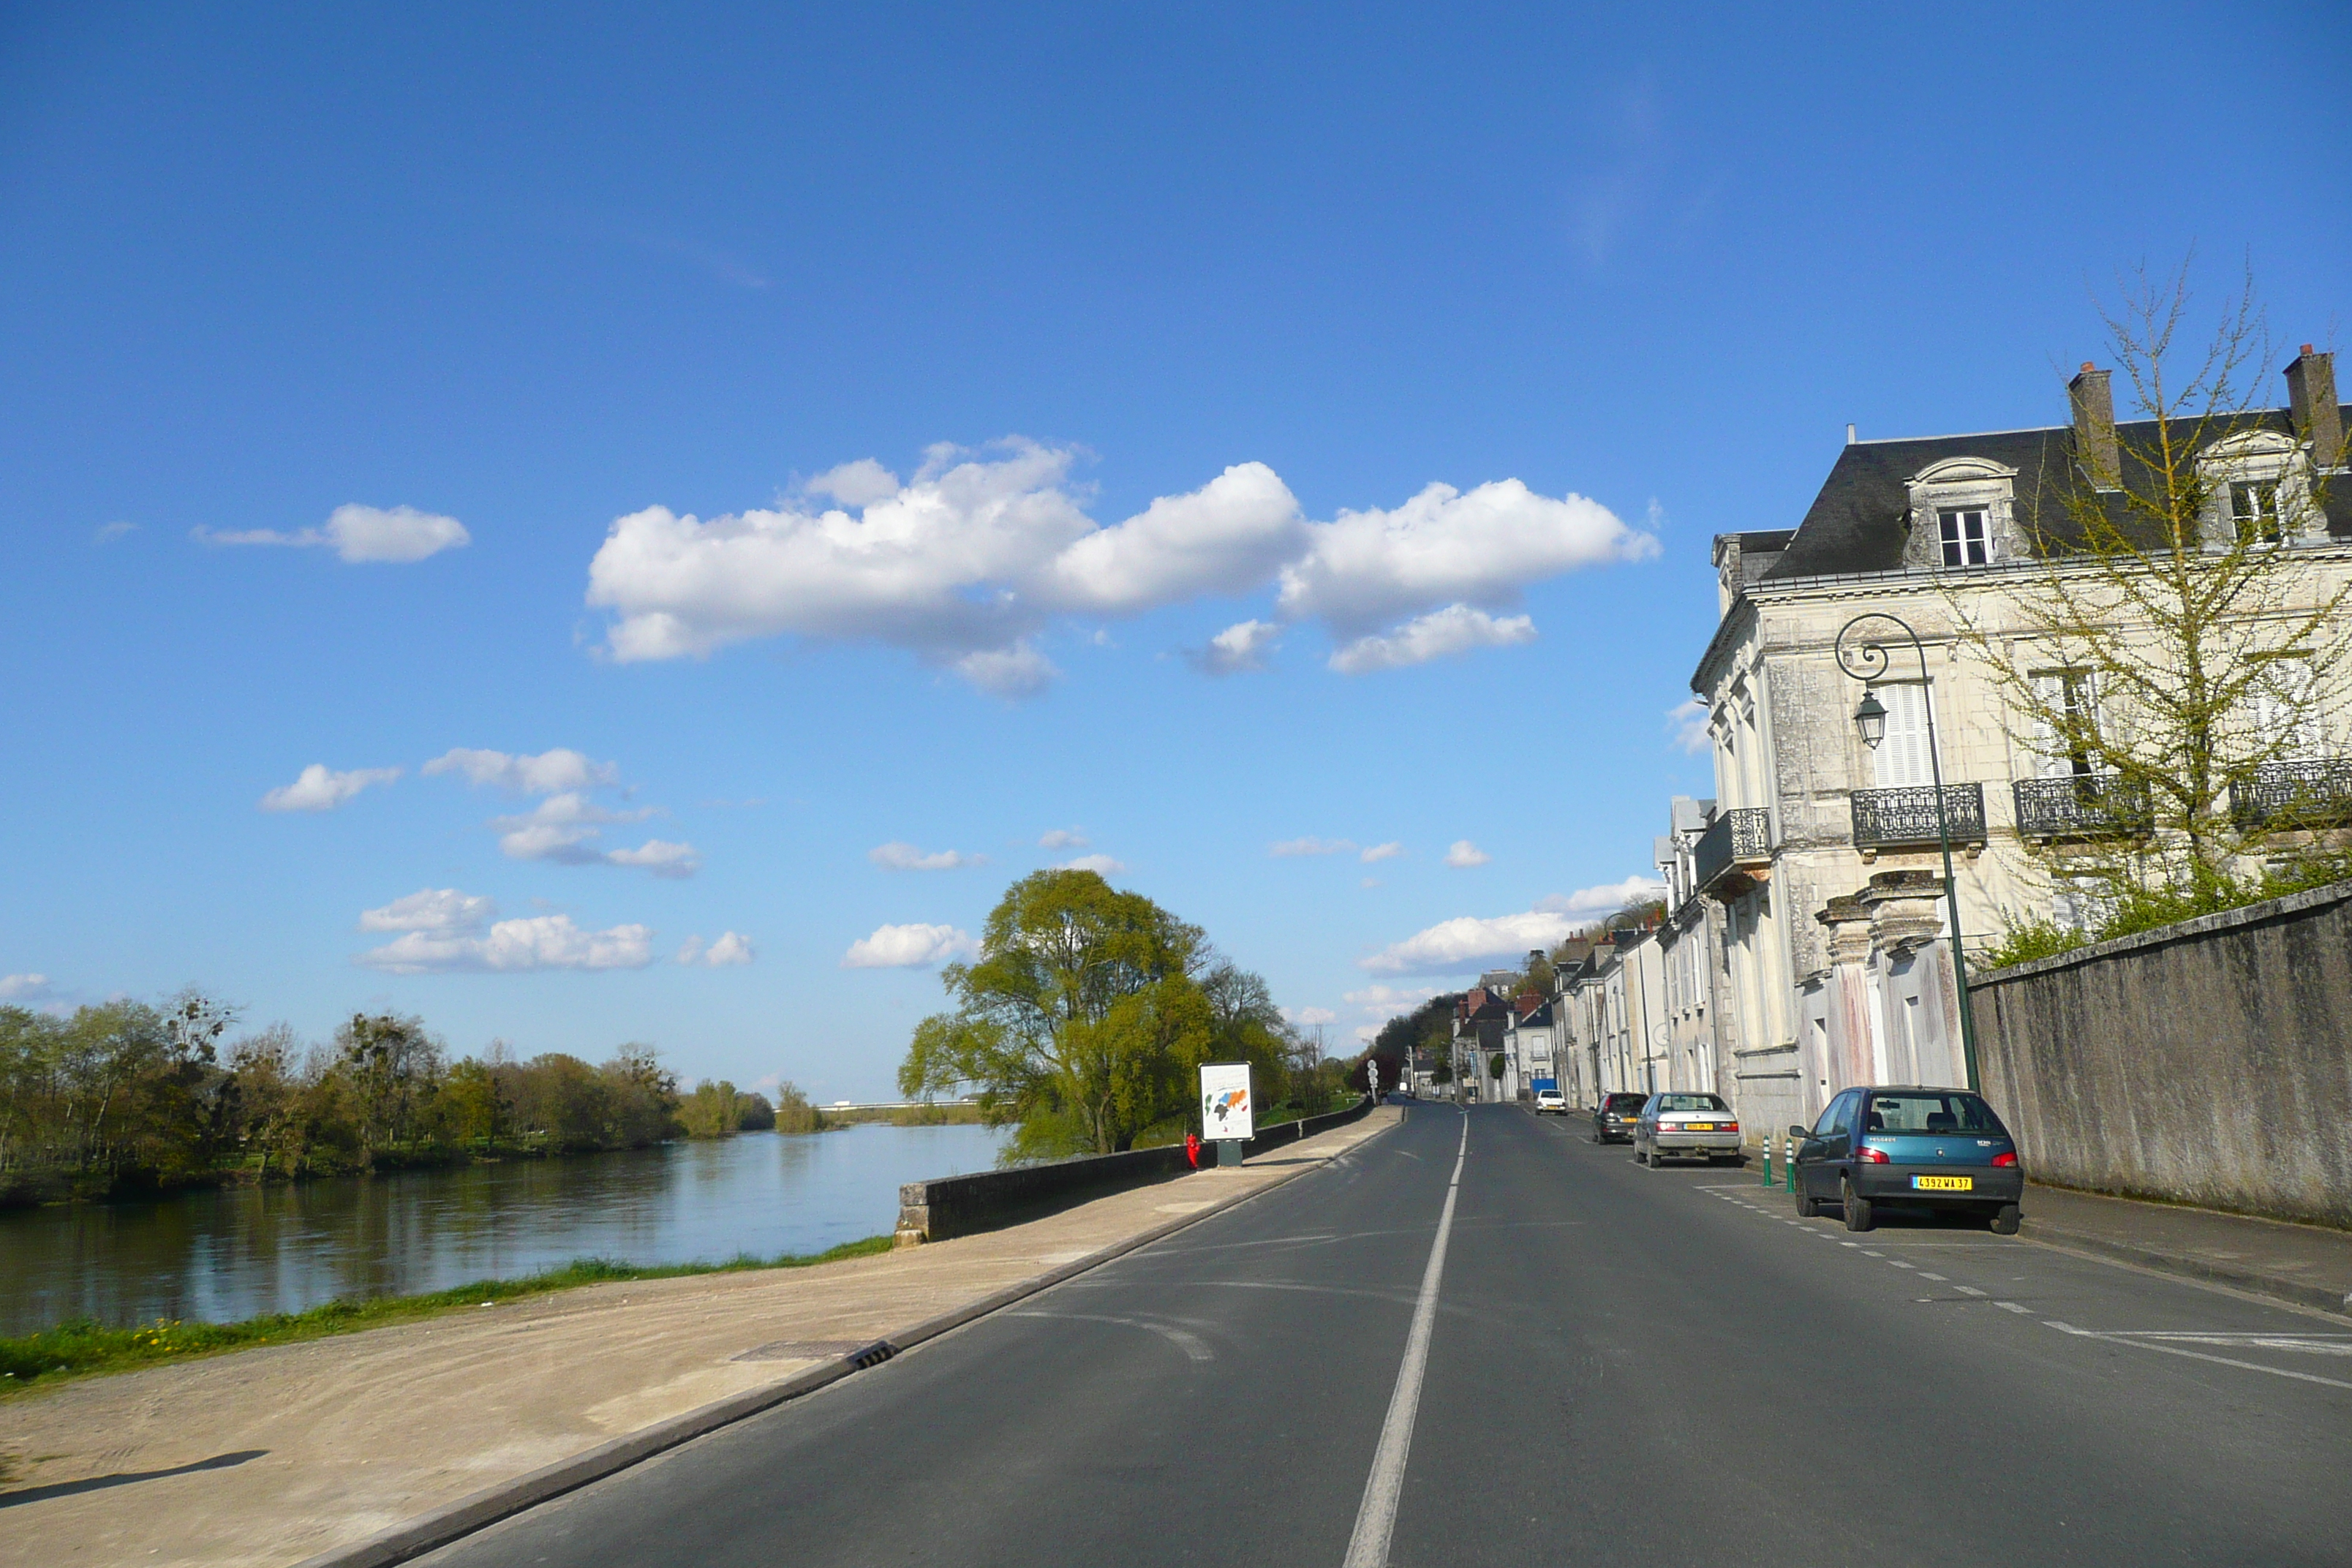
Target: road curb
<point>430,1532</point>
<point>2299,1292</point>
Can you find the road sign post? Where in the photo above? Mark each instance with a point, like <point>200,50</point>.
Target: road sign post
<point>1226,1113</point>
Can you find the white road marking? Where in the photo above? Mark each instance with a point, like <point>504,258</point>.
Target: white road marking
<point>1967,1290</point>
<point>1191,1345</point>
<point>1937,1277</point>
<point>2145,1344</point>
<point>1898,1263</point>
<point>1376,1514</point>
<point>2012,1307</point>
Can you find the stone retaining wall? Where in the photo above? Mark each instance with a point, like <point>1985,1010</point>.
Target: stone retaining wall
<point>2205,1063</point>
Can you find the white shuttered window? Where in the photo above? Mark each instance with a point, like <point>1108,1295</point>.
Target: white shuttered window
<point>1902,757</point>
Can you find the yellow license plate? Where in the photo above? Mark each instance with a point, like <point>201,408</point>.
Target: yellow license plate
<point>1943,1183</point>
<point>1698,1126</point>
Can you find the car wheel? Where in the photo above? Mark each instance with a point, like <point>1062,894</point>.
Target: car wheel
<point>1858,1214</point>
<point>1808,1207</point>
<point>1639,1158</point>
<point>2006,1219</point>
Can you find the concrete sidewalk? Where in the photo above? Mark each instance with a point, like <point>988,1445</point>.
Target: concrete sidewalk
<point>270,1455</point>
<point>2307,1264</point>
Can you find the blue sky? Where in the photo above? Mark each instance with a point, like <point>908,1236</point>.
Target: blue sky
<point>986,283</point>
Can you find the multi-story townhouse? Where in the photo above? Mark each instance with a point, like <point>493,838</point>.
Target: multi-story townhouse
<point>1822,853</point>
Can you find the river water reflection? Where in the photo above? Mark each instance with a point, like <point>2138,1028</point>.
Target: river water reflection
<point>237,1252</point>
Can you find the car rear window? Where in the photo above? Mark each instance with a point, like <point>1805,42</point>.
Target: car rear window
<point>1623,1102</point>
<point>1930,1113</point>
<point>1691,1102</point>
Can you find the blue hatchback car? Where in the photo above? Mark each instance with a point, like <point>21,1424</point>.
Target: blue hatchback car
<point>1908,1145</point>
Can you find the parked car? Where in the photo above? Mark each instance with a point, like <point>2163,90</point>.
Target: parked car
<point>1686,1125</point>
<point>1550,1102</point>
<point>1614,1115</point>
<point>1908,1146</point>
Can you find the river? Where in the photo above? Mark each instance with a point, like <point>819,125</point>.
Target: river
<point>220,1254</point>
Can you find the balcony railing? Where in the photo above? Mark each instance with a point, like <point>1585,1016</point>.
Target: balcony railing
<point>1739,841</point>
<point>2293,795</point>
<point>1885,817</point>
<point>2082,805</point>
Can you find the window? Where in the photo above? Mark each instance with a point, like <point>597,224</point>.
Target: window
<point>1966,541</point>
<point>2255,508</point>
<point>1902,757</point>
<point>2067,728</point>
<point>2286,707</point>
<point>1953,1112</point>
<point>1837,1118</point>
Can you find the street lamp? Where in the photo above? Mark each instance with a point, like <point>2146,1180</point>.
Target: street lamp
<point>1865,660</point>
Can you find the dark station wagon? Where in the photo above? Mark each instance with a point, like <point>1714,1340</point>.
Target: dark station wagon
<point>1884,1146</point>
<point>1616,1116</point>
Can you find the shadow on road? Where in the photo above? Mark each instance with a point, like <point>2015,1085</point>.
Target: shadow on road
<point>99,1483</point>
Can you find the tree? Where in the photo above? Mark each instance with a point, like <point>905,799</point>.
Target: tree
<point>713,1110</point>
<point>2165,639</point>
<point>394,1067</point>
<point>1080,1020</point>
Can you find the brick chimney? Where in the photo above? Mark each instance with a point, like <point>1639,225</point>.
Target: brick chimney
<point>2094,427</point>
<point>2311,394</point>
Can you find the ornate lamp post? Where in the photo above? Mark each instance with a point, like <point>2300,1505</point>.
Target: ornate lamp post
<point>1865,659</point>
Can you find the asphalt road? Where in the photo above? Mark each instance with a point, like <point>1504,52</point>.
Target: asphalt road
<point>1623,1366</point>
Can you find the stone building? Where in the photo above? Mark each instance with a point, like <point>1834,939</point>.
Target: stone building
<point>1820,853</point>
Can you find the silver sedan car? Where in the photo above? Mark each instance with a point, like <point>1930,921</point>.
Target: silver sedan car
<point>1685,1126</point>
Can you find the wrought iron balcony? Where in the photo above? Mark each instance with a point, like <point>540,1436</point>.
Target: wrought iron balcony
<point>1738,842</point>
<point>2082,805</point>
<point>2293,795</point>
<point>1884,818</point>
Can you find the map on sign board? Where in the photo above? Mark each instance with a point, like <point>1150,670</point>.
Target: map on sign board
<point>1225,1101</point>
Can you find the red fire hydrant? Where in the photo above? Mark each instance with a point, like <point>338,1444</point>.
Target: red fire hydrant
<point>1193,1149</point>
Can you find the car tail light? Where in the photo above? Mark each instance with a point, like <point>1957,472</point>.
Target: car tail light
<point>2005,1159</point>
<point>1726,1127</point>
<point>1871,1155</point>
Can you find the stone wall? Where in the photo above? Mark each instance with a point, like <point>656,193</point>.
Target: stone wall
<point>2207,1063</point>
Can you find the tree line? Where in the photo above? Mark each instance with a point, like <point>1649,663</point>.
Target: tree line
<point>1085,1018</point>
<point>130,1094</point>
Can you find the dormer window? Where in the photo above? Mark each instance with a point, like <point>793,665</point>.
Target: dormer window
<point>2255,508</point>
<point>1966,541</point>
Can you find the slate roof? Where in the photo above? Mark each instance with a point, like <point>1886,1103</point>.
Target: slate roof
<point>1859,520</point>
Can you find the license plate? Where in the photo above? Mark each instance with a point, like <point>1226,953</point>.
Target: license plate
<point>1943,1183</point>
<point>1698,1126</point>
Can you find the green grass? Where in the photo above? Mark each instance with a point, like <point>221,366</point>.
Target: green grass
<point>82,1348</point>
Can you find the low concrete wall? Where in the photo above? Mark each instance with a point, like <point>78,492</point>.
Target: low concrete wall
<point>2205,1063</point>
<point>990,1200</point>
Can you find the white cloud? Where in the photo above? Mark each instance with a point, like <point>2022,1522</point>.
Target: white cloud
<point>559,827</point>
<point>965,564</point>
<point>1291,847</point>
<point>1463,855</point>
<point>320,788</point>
<point>1240,646</point>
<point>1100,865</point>
<point>23,987</point>
<point>1687,722</point>
<point>443,934</point>
<point>1063,838</point>
<point>1370,882</point>
<point>1310,1017</point>
<point>897,856</point>
<point>906,947</point>
<point>442,911</point>
<point>1464,941</point>
<point>1367,1033</point>
<point>1380,852</point>
<point>108,532</point>
<point>663,858</point>
<point>546,773</point>
<point>1606,898</point>
<point>860,484</point>
<point>1457,628</point>
<point>361,533</point>
<point>730,949</point>
<point>1443,546</point>
<point>1016,671</point>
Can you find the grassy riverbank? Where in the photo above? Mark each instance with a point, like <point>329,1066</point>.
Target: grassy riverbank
<point>83,1347</point>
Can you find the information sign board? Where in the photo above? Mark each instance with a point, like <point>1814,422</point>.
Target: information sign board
<point>1226,1109</point>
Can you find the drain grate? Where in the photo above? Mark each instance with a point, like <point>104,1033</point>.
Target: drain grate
<point>874,1354</point>
<point>800,1350</point>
